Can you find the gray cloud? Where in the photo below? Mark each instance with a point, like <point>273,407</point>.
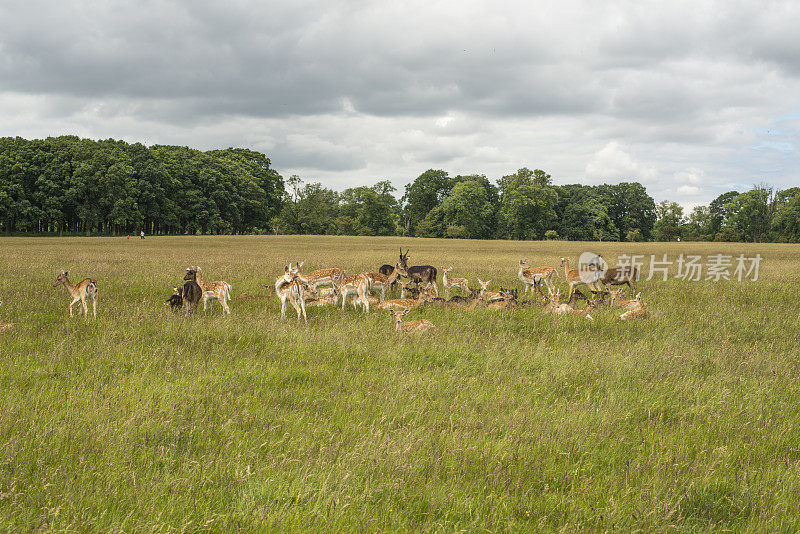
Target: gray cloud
<point>349,92</point>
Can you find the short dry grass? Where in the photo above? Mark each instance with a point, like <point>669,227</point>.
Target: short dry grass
<point>146,421</point>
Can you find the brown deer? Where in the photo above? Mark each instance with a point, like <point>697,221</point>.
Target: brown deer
<point>332,277</point>
<point>488,296</point>
<point>290,288</point>
<point>409,327</point>
<point>535,276</point>
<point>80,292</point>
<point>574,279</point>
<point>219,290</point>
<point>354,284</point>
<point>616,276</point>
<point>419,273</point>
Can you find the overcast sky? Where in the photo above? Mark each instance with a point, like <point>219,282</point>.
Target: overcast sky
<point>690,98</point>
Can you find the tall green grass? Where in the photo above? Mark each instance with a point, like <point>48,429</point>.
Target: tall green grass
<point>147,421</point>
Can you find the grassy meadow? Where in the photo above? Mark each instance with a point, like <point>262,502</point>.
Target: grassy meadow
<point>143,420</point>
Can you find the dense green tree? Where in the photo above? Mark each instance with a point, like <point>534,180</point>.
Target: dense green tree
<point>752,213</point>
<point>527,205</point>
<point>669,220</point>
<point>469,208</point>
<point>422,195</point>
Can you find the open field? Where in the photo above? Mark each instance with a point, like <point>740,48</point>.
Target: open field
<point>146,421</point>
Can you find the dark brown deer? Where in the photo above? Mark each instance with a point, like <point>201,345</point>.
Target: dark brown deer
<point>616,276</point>
<point>422,274</point>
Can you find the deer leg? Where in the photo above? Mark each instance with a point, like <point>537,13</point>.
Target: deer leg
<point>94,306</point>
<point>71,304</point>
<point>225,308</point>
<point>283,308</point>
<point>295,305</point>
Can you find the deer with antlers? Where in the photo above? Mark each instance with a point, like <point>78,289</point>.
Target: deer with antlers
<point>419,273</point>
<point>84,290</point>
<point>535,276</point>
<point>409,327</point>
<point>448,282</point>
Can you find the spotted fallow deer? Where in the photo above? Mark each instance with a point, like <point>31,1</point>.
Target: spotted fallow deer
<point>332,277</point>
<point>628,304</point>
<point>219,290</point>
<point>80,292</point>
<point>425,295</point>
<point>573,278</point>
<point>357,285</point>
<point>489,296</point>
<point>535,276</point>
<point>379,282</point>
<point>448,282</point>
<point>409,327</point>
<point>290,288</point>
<point>638,312</point>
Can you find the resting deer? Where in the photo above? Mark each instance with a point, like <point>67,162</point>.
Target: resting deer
<point>554,305</point>
<point>219,290</point>
<point>637,312</point>
<point>424,296</point>
<point>622,303</point>
<point>488,295</point>
<point>535,276</point>
<point>409,327</point>
<point>453,282</point>
<point>357,285</point>
<point>85,289</point>
<point>574,279</point>
<point>591,305</point>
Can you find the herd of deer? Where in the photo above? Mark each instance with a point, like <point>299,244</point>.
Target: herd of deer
<point>418,286</point>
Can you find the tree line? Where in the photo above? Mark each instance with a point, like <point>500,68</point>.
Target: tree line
<point>74,185</point>
<point>68,184</point>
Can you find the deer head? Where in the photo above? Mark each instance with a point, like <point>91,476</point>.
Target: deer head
<point>61,278</point>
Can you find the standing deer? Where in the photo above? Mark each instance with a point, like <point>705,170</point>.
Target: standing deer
<point>574,279</point>
<point>291,288</point>
<point>219,290</point>
<point>85,289</point>
<point>453,282</point>
<point>380,282</point>
<point>616,276</point>
<point>419,273</point>
<point>535,276</point>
